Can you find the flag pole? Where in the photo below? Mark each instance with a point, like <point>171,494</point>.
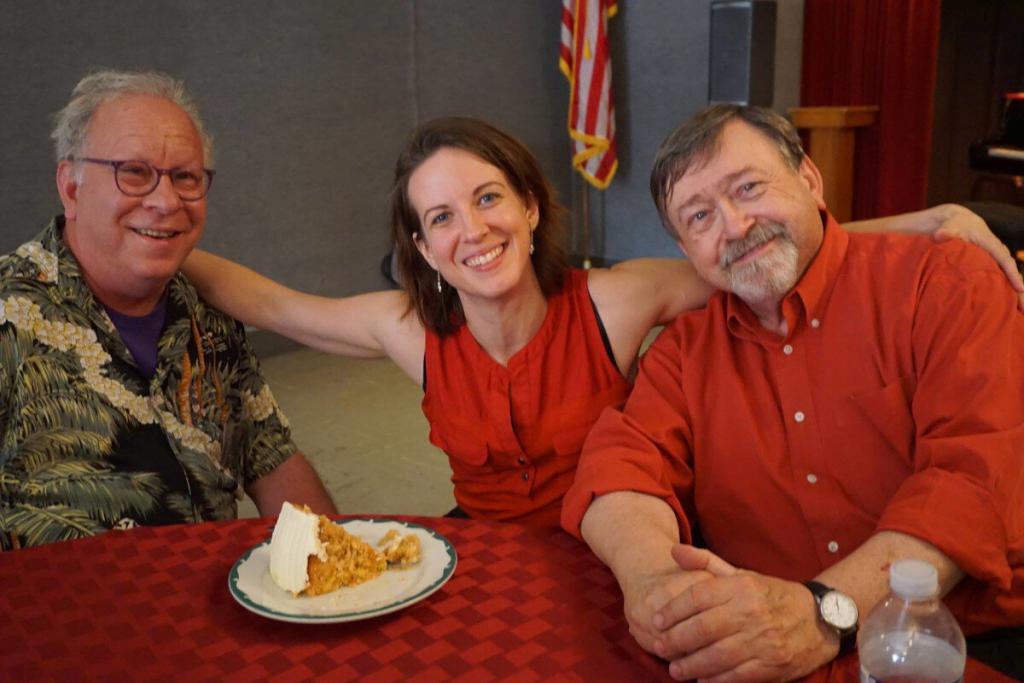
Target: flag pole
<point>586,225</point>
<point>585,59</point>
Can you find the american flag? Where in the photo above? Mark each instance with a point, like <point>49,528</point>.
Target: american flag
<point>585,61</point>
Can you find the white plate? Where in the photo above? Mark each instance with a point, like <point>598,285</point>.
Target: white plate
<point>250,583</point>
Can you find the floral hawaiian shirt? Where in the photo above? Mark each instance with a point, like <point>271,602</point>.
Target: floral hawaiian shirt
<point>87,443</point>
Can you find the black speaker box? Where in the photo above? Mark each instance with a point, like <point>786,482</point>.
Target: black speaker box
<point>742,64</point>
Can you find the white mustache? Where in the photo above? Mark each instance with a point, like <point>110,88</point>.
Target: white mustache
<point>758,235</point>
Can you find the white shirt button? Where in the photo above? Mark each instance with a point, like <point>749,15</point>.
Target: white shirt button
<point>787,349</point>
<point>812,478</point>
<point>815,323</point>
<point>799,416</point>
<point>833,547</point>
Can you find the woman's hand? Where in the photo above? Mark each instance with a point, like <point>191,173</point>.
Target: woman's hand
<point>946,222</point>
<point>958,222</point>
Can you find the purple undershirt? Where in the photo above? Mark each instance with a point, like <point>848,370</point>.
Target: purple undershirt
<point>141,334</point>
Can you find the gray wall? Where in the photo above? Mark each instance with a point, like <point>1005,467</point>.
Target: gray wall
<point>660,57</point>
<point>310,103</point>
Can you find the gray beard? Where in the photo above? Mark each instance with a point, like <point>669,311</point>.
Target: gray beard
<point>765,278</point>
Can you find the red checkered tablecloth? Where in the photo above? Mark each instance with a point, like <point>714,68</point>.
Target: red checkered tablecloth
<point>152,604</point>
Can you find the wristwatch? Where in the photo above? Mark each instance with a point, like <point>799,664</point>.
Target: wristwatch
<point>838,611</point>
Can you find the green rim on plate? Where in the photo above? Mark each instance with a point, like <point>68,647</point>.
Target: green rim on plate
<point>448,556</point>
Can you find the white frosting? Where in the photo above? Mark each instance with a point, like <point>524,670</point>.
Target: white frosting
<point>296,537</point>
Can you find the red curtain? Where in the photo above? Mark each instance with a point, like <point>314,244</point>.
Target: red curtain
<point>884,53</point>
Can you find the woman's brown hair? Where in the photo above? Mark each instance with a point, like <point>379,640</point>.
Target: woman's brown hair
<point>441,312</point>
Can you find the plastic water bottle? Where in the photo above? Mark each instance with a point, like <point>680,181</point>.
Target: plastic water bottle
<point>910,637</point>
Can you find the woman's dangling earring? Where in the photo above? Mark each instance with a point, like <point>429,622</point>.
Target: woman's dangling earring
<point>531,244</point>
<point>438,281</point>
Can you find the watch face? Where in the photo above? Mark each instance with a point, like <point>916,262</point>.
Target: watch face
<point>839,610</point>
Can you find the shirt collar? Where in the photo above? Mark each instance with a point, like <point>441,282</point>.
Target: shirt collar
<point>807,300</point>
<point>69,282</point>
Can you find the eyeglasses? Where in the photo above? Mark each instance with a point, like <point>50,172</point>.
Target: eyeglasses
<point>137,178</point>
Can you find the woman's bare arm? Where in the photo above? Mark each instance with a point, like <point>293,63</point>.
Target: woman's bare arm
<point>636,295</point>
<point>362,326</point>
<point>950,221</point>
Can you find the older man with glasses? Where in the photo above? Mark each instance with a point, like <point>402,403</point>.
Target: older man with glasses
<point>127,400</point>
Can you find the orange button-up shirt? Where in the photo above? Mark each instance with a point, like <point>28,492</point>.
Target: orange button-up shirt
<point>894,402</point>
<point>513,434</point>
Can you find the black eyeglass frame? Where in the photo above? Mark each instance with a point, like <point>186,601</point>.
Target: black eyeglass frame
<point>160,172</point>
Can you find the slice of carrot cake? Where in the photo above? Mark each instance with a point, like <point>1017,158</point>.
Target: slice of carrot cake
<point>311,555</point>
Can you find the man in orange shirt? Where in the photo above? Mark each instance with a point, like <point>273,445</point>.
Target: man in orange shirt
<point>845,401</point>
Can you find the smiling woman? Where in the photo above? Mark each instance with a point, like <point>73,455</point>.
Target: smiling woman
<point>517,352</point>
<point>457,162</point>
<point>477,236</point>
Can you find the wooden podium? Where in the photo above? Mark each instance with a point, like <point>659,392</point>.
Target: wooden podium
<point>831,147</point>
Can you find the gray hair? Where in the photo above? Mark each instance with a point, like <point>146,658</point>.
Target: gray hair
<point>696,141</point>
<point>71,124</point>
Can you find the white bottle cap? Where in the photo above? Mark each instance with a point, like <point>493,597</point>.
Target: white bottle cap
<point>913,579</point>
